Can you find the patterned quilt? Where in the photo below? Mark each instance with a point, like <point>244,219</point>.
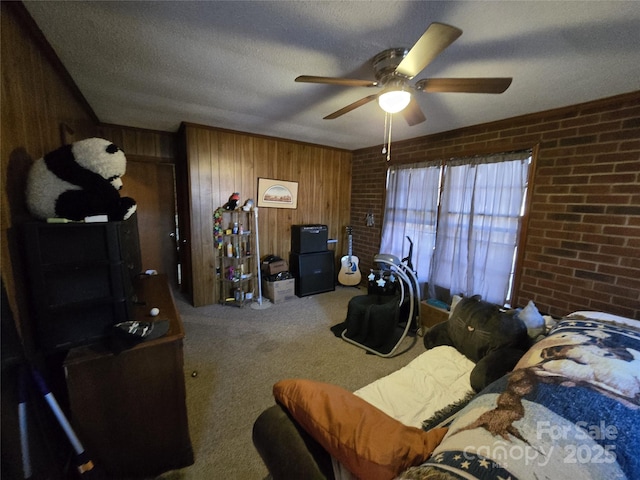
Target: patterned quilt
<point>569,410</point>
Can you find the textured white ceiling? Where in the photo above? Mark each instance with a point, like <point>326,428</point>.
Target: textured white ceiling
<point>233,64</point>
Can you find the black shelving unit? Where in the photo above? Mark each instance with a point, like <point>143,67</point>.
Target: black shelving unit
<point>80,277</point>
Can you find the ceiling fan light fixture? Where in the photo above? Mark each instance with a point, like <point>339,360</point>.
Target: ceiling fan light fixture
<point>394,101</point>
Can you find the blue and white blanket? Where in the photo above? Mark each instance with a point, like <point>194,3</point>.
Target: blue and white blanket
<point>569,410</point>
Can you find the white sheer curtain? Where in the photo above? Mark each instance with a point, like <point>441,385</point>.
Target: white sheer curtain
<point>479,222</point>
<point>411,211</point>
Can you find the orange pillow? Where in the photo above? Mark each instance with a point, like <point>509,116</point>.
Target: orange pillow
<point>368,442</point>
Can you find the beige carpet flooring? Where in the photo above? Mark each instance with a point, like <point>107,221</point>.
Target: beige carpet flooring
<point>233,356</point>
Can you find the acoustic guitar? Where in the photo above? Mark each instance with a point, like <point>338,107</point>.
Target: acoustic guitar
<point>349,274</point>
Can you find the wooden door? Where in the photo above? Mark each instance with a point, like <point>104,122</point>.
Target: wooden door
<point>152,185</point>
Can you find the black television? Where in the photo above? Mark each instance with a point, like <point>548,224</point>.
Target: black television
<point>81,278</point>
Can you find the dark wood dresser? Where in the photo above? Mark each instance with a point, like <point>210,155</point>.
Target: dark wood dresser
<point>129,409</point>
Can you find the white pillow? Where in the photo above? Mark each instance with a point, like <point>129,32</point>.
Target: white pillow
<point>532,319</point>
<point>454,301</point>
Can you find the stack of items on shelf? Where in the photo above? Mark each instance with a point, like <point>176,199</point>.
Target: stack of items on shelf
<point>236,262</point>
<point>278,283</point>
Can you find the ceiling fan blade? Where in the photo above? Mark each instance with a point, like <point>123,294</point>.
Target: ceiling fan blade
<point>413,113</point>
<point>433,41</point>
<point>464,85</point>
<point>353,106</point>
<point>349,82</point>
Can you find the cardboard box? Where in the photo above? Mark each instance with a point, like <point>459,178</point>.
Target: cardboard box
<point>280,291</point>
<point>431,315</point>
<point>275,267</point>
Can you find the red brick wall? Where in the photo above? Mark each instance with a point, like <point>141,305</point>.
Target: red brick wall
<point>582,248</point>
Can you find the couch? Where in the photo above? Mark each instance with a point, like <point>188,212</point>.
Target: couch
<point>568,409</point>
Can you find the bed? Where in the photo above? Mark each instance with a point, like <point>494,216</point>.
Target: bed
<point>570,409</point>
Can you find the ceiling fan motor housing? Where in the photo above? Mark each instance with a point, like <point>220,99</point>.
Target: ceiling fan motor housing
<point>385,64</point>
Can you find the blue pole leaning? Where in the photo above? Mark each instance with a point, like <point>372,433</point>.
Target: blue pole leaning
<point>22,421</point>
<point>84,464</point>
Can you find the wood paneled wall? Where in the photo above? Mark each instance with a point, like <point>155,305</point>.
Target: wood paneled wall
<point>37,98</point>
<point>137,142</point>
<point>220,162</point>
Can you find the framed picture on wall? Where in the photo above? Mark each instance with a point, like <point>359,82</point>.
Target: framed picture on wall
<point>277,193</point>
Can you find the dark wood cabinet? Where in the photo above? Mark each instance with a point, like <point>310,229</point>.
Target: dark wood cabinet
<point>80,279</point>
<point>129,409</point>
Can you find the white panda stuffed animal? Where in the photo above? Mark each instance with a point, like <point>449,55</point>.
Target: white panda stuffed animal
<point>79,180</point>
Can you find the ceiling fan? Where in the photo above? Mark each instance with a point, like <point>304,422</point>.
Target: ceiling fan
<point>394,68</point>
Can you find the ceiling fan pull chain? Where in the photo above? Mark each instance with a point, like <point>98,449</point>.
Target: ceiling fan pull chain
<point>384,135</point>
<point>389,142</point>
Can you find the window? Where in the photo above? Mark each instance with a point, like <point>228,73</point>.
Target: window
<point>464,218</point>
<point>411,211</point>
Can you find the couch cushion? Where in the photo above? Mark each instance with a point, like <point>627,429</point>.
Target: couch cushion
<point>287,450</point>
<point>368,442</point>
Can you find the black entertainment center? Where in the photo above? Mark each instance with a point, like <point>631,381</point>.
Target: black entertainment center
<point>81,279</point>
<point>85,277</point>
